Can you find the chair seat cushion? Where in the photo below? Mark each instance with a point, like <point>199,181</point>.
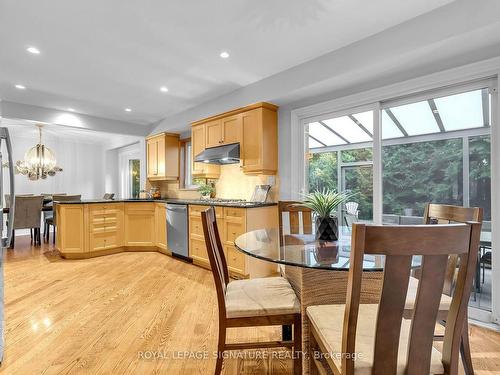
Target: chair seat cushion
<point>411,297</point>
<point>260,297</point>
<point>327,321</point>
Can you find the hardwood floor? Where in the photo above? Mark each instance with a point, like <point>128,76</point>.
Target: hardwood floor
<point>132,313</point>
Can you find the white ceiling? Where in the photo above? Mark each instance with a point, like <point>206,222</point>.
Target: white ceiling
<point>28,129</point>
<point>99,57</point>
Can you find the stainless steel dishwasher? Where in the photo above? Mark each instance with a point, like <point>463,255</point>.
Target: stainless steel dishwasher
<point>177,229</point>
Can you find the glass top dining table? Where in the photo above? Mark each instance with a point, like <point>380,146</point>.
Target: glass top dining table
<point>304,250</point>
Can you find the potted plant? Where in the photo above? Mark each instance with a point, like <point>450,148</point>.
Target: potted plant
<point>206,190</point>
<point>324,204</point>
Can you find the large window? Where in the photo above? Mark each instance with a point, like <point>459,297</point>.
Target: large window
<point>340,158</point>
<point>432,148</point>
<point>135,177</point>
<point>436,150</point>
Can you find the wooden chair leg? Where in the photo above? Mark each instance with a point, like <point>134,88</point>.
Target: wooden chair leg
<point>297,345</point>
<point>31,234</point>
<point>54,236</point>
<point>465,351</point>
<point>220,348</point>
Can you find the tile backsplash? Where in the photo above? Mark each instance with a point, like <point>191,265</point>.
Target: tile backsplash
<point>232,184</point>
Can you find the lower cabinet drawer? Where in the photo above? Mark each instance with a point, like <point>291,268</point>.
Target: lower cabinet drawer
<point>235,260</point>
<point>195,226</point>
<point>198,251</point>
<point>232,231</point>
<point>195,210</point>
<point>97,241</point>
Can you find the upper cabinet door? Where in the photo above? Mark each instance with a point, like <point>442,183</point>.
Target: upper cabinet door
<point>197,146</point>
<point>152,155</point>
<point>162,151</point>
<point>213,132</point>
<point>160,156</point>
<point>231,129</point>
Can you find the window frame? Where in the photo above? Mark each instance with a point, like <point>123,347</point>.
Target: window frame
<point>185,165</point>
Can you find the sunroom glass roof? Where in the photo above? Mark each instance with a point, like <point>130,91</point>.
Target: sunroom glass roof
<point>440,115</point>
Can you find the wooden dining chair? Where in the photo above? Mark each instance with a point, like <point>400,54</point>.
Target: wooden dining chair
<point>266,301</point>
<point>446,214</point>
<point>375,338</point>
<point>294,219</point>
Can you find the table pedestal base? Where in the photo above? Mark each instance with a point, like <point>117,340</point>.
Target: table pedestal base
<point>325,287</point>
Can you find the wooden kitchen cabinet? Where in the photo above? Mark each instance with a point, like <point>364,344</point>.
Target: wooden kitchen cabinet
<point>198,145</point>
<point>197,247</point>
<point>161,226</point>
<point>71,228</point>
<point>259,153</point>
<point>162,151</point>
<point>140,224</point>
<point>232,222</point>
<point>105,226</point>
<point>213,133</point>
<point>254,127</point>
<point>223,131</point>
<point>234,226</point>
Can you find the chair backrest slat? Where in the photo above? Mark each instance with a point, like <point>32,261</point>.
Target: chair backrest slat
<point>216,257</point>
<point>392,302</point>
<point>295,218</point>
<point>425,312</point>
<point>399,244</point>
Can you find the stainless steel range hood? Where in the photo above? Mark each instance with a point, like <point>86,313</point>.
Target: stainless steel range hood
<point>227,154</point>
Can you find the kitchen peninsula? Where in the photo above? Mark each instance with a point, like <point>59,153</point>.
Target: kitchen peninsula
<point>91,228</point>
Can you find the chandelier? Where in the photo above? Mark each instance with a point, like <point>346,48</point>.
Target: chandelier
<point>39,161</point>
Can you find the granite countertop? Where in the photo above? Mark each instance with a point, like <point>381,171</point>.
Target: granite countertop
<point>200,202</point>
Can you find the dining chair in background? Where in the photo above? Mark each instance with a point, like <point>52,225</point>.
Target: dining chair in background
<point>51,221</point>
<point>294,219</point>
<point>447,214</point>
<point>7,198</point>
<point>47,215</point>
<point>376,338</point>
<point>268,301</point>
<point>27,215</point>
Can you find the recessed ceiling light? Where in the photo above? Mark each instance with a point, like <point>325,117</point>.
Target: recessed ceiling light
<point>33,50</point>
<point>128,110</point>
<point>164,89</point>
<point>224,54</point>
<point>71,109</point>
<point>20,87</point>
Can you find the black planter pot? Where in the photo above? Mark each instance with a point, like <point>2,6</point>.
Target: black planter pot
<point>326,229</point>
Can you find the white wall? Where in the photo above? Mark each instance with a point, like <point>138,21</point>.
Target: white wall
<point>83,167</point>
<point>111,179</point>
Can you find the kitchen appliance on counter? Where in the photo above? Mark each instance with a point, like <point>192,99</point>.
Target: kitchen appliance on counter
<point>177,229</point>
<point>4,137</point>
<point>260,193</point>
